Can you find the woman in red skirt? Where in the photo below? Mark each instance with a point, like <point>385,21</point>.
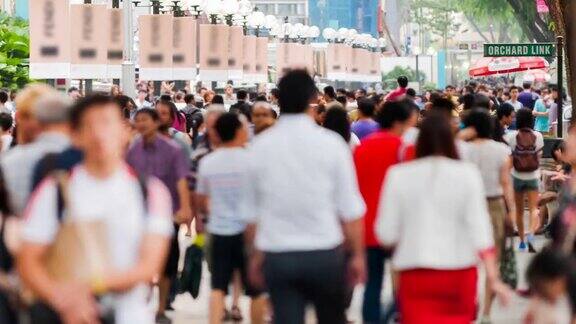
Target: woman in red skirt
<point>433,212</point>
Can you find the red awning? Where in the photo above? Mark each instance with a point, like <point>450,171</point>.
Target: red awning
<point>501,65</point>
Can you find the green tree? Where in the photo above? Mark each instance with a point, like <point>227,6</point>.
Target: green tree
<point>389,79</point>
<point>14,52</point>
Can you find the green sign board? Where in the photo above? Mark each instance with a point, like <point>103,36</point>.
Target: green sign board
<point>534,49</point>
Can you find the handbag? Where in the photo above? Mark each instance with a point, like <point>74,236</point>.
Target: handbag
<point>80,251</point>
<point>508,269</point>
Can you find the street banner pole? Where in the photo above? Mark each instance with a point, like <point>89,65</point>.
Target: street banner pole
<point>87,82</point>
<point>116,5</point>
<point>128,81</point>
<point>560,62</point>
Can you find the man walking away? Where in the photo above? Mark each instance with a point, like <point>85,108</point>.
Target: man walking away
<point>242,106</point>
<point>306,204</point>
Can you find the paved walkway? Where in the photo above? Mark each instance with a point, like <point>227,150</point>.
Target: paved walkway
<point>189,311</point>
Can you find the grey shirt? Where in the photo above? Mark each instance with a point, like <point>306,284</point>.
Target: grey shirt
<point>18,165</point>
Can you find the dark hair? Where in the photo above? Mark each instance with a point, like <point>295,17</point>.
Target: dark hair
<point>367,107</point>
<point>275,92</point>
<point>165,97</point>
<point>480,120</point>
<point>514,88</point>
<point>5,206</point>
<point>481,101</point>
<point>337,120</point>
<point>402,81</point>
<point>123,101</point>
<point>467,101</point>
<point>362,90</point>
<point>449,87</point>
<point>524,119</point>
<point>6,121</point>
<point>143,91</point>
<point>85,104</point>
<point>342,91</point>
<point>3,96</point>
<point>411,92</point>
<point>558,146</point>
<point>392,112</point>
<point>527,85</point>
<point>547,265</point>
<point>436,138</point>
<point>173,110</point>
<point>498,131</point>
<point>443,105</point>
<point>72,89</point>
<point>150,112</point>
<point>342,100</point>
<point>505,110</point>
<point>350,94</point>
<point>227,125</point>
<point>241,94</point>
<point>329,91</point>
<point>218,99</point>
<point>296,90</point>
<point>261,98</point>
<point>189,98</point>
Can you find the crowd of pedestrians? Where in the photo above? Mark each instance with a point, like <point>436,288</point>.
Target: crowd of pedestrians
<point>300,195</point>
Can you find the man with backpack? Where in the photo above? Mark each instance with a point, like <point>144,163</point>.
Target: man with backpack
<point>526,145</point>
<point>193,114</point>
<point>135,216</point>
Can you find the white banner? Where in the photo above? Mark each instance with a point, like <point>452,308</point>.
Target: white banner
<point>155,47</point>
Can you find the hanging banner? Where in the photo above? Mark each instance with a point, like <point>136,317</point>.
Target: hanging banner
<point>49,41</point>
<point>184,48</point>
<point>288,56</point>
<point>115,42</point>
<point>365,61</point>
<point>249,58</point>
<point>235,51</point>
<point>155,48</point>
<point>214,52</point>
<point>261,65</point>
<point>88,45</point>
<point>336,62</point>
<point>308,55</point>
<point>375,74</point>
<point>356,65</point>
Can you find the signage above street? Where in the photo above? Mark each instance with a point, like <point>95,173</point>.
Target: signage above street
<point>533,49</point>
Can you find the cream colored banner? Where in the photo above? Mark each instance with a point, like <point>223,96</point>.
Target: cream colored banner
<point>261,65</point>
<point>89,30</point>
<point>49,39</point>
<point>235,53</point>
<point>184,55</point>
<point>249,58</point>
<point>155,47</point>
<point>375,72</point>
<point>214,52</point>
<point>115,42</point>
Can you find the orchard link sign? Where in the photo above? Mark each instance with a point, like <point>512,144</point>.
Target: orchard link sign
<point>532,49</point>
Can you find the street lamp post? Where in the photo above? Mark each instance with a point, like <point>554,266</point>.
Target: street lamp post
<point>431,51</point>
<point>416,52</point>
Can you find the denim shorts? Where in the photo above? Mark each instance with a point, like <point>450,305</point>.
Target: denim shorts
<point>525,185</point>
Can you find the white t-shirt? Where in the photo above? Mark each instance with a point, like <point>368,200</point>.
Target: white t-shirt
<point>118,202</point>
<point>354,141</point>
<point>510,138</point>
<point>223,176</point>
<point>489,156</point>
<point>6,142</point>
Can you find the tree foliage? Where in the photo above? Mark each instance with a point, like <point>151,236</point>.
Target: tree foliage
<point>389,79</point>
<point>14,52</point>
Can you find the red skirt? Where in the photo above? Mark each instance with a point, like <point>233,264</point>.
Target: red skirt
<point>438,296</point>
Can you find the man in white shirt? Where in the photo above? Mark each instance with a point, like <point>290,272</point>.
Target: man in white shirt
<point>514,93</point>
<point>141,101</point>
<point>222,185</point>
<point>137,216</point>
<point>306,203</point>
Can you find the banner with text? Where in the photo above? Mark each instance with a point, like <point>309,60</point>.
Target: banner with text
<point>184,50</point>
<point>115,42</point>
<point>214,52</point>
<point>155,48</point>
<point>49,39</point>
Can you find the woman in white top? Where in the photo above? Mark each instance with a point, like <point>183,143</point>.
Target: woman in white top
<point>526,181</point>
<point>494,163</point>
<point>433,212</point>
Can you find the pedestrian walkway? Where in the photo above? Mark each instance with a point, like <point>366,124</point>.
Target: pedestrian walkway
<point>188,310</point>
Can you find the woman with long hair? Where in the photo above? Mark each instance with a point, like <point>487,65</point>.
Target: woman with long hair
<point>337,120</point>
<point>434,215</point>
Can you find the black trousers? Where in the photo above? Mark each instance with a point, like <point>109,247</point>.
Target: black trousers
<point>295,279</point>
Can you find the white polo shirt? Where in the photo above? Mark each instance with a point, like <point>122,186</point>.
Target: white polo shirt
<point>304,185</point>
<point>118,202</point>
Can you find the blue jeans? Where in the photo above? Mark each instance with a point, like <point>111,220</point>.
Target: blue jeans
<point>372,305</point>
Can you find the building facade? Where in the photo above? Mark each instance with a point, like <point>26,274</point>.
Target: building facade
<point>362,15</point>
<point>295,10</point>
